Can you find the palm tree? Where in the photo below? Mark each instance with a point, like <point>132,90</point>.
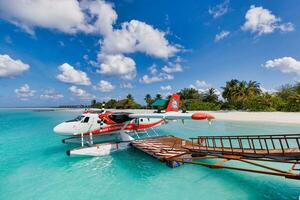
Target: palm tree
<point>130,97</point>
<point>239,94</point>
<point>158,96</point>
<point>229,89</point>
<point>148,99</point>
<point>253,88</point>
<point>211,96</point>
<point>189,93</point>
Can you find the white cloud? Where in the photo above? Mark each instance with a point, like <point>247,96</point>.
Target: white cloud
<point>173,67</point>
<point>24,92</point>
<point>103,12</point>
<point>153,69</point>
<point>284,64</point>
<point>69,16</point>
<point>119,65</point>
<point>71,75</point>
<point>51,94</point>
<point>202,84</point>
<point>219,10</point>
<point>221,35</point>
<point>104,86</point>
<point>137,36</point>
<point>261,21</point>
<point>126,85</point>
<point>11,67</point>
<point>270,91</point>
<point>167,87</point>
<point>165,73</point>
<point>82,94</point>
<point>73,16</point>
<point>156,78</point>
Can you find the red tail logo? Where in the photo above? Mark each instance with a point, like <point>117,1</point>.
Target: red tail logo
<point>174,103</point>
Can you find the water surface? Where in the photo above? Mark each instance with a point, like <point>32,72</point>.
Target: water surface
<point>33,165</point>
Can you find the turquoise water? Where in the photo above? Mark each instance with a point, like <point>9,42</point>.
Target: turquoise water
<point>33,165</point>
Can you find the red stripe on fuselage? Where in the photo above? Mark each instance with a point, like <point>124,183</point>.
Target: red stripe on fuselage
<point>129,127</point>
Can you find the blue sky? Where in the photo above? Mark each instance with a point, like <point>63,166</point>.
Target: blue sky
<point>107,49</point>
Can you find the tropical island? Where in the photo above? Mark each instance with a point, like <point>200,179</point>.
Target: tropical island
<point>236,95</point>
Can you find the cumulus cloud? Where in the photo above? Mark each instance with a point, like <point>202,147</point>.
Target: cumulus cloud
<point>69,16</point>
<point>156,78</point>
<point>82,94</point>
<point>98,17</point>
<point>70,75</point>
<point>137,36</point>
<point>270,91</point>
<point>284,64</point>
<point>126,85</point>
<point>221,35</point>
<point>202,84</point>
<point>104,86</point>
<point>172,67</point>
<point>24,92</point>
<point>51,94</point>
<point>119,65</point>
<point>153,69</point>
<point>261,21</point>
<point>11,67</point>
<point>167,87</point>
<point>219,10</point>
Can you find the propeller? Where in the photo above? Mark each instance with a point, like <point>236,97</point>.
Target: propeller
<point>102,109</point>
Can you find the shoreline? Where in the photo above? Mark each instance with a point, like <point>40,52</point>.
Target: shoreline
<point>242,116</point>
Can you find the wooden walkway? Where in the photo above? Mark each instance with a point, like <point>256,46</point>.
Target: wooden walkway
<point>176,151</point>
<point>163,148</point>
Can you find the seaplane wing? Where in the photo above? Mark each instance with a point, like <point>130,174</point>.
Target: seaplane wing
<point>175,115</point>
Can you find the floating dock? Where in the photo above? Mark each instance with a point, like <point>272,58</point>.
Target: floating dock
<point>247,149</point>
<point>165,148</point>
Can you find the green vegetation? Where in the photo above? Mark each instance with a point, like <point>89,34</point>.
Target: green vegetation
<point>237,95</point>
<point>127,103</point>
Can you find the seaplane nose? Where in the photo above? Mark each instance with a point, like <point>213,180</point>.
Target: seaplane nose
<point>64,129</point>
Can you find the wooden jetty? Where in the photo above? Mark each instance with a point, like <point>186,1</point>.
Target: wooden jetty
<point>247,149</point>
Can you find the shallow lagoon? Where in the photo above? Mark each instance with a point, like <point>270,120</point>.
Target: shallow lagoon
<point>33,165</point>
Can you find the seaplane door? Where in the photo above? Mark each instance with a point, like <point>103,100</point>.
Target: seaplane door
<point>85,124</point>
<point>136,123</point>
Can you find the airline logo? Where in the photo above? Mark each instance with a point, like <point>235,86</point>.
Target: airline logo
<point>174,104</point>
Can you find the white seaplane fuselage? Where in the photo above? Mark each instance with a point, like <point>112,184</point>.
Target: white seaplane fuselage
<point>101,136</point>
<point>111,130</point>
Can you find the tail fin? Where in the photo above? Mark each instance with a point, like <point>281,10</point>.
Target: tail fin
<point>174,103</point>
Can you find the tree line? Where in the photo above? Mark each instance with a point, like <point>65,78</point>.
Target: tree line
<point>236,95</point>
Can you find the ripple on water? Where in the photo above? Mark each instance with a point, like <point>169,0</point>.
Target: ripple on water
<point>33,165</point>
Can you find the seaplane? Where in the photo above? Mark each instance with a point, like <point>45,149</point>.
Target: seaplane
<point>102,132</point>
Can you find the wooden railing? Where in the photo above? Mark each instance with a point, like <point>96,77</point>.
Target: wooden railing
<point>281,143</point>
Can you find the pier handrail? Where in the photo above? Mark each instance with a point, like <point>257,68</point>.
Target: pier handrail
<point>282,144</point>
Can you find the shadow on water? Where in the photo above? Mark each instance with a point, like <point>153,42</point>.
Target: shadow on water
<point>55,149</point>
<point>265,186</point>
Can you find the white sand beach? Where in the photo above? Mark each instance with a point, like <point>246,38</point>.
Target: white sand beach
<point>273,117</point>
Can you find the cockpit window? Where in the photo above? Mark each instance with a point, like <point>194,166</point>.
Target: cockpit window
<point>86,120</point>
<point>120,117</point>
<point>79,118</point>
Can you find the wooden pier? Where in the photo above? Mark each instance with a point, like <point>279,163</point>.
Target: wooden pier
<point>247,149</point>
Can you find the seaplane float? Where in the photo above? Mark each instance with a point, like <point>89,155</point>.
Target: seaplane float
<point>100,132</point>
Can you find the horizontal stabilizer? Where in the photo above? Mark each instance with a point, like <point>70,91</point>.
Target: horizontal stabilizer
<point>175,115</point>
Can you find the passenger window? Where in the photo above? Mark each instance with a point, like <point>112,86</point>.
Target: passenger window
<point>86,120</point>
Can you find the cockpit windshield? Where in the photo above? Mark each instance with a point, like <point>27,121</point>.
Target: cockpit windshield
<point>77,119</point>
<point>120,117</point>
